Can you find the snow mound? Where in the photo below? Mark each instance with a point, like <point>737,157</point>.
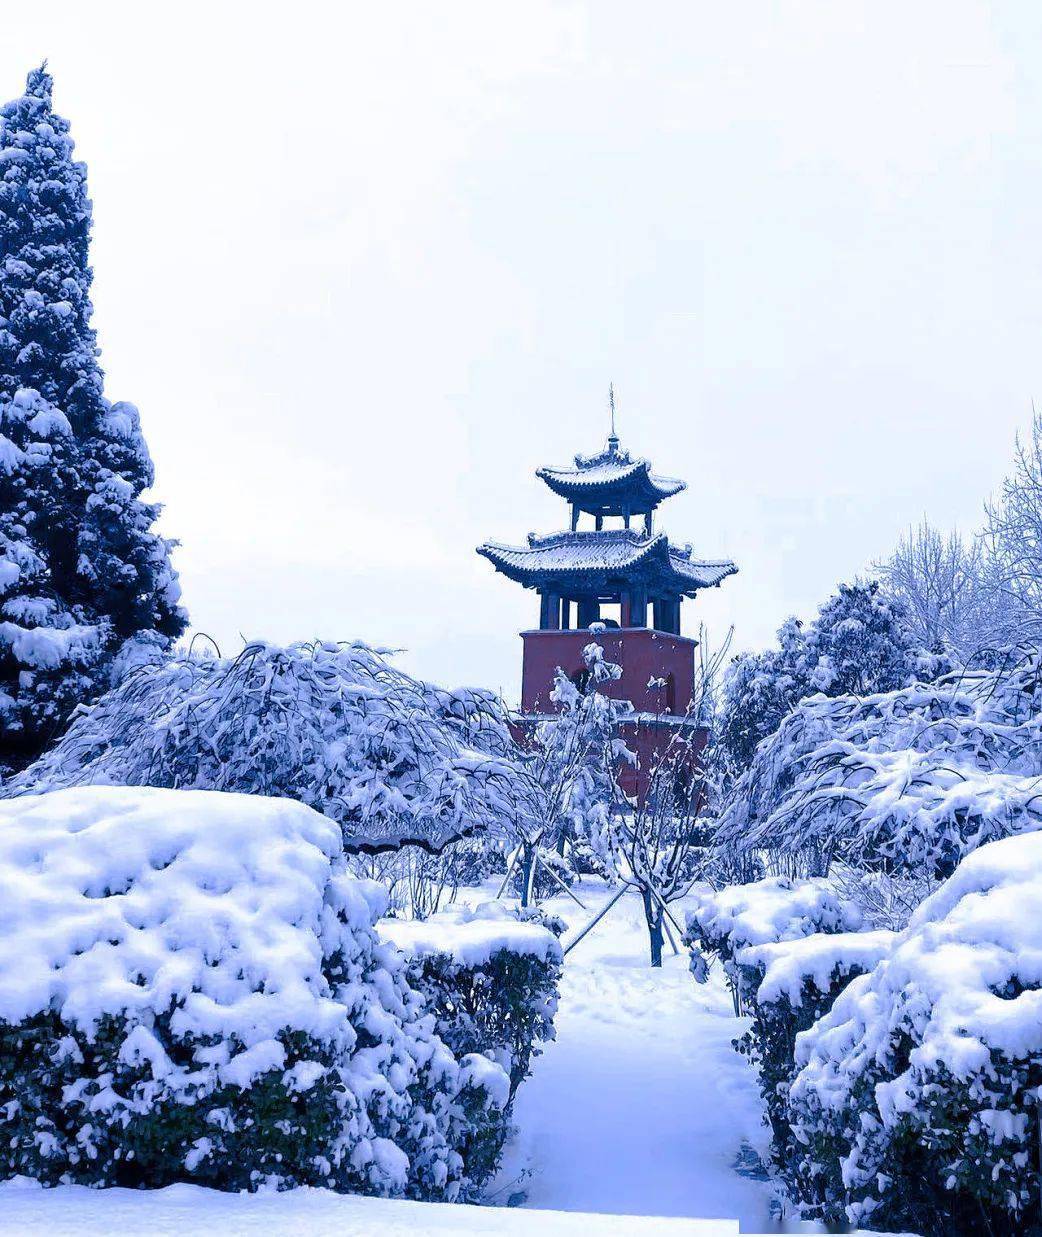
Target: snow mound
<point>775,909</point>
<point>471,935</point>
<point>72,1211</point>
<point>788,965</point>
<point>965,976</point>
<point>116,900</point>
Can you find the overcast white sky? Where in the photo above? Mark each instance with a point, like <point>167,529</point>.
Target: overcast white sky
<point>364,268</point>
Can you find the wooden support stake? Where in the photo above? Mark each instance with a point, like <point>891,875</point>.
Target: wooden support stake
<point>596,919</point>
<point>553,876</point>
<point>510,872</point>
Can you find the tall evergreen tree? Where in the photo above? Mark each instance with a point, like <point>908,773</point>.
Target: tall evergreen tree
<point>85,582</point>
<point>861,642</point>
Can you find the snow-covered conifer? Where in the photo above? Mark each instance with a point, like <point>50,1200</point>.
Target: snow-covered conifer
<point>861,642</point>
<point>81,570</point>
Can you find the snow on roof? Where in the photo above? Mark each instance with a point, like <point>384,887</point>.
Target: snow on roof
<point>605,550</point>
<point>132,899</point>
<point>613,471</point>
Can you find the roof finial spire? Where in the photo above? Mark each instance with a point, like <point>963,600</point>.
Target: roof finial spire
<point>613,438</point>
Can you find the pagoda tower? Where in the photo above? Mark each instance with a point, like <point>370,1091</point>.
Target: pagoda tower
<point>620,573</point>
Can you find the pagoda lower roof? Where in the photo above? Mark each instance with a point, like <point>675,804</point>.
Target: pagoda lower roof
<point>589,557</point>
<point>611,481</point>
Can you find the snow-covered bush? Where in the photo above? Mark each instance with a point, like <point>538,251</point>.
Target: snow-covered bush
<point>191,989</point>
<point>788,949</point>
<point>725,922</point>
<point>916,1104</point>
<point>786,986</point>
<point>908,780</point>
<point>490,975</point>
<point>337,726</point>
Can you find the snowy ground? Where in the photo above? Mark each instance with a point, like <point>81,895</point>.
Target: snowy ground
<point>185,1210</point>
<point>641,1106</point>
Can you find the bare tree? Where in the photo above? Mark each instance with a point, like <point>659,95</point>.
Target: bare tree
<point>946,586</point>
<point>1013,534</point>
<point>565,781</point>
<point>653,844</point>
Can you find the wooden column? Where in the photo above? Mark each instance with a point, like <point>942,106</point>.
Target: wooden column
<point>660,617</point>
<point>545,612</point>
<point>589,611</point>
<point>638,608</point>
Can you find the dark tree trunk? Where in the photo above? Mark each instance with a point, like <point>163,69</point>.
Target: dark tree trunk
<point>653,915</point>
<point>528,874</point>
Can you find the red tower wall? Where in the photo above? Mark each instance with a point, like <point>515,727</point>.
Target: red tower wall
<point>643,654</point>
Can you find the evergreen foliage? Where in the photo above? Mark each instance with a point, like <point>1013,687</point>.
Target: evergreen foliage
<point>503,1008</point>
<point>84,579</point>
<point>861,642</point>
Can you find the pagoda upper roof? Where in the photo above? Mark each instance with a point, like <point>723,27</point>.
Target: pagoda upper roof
<point>588,557</point>
<point>611,482</point>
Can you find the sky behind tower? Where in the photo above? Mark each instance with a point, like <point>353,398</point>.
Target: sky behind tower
<point>363,271</point>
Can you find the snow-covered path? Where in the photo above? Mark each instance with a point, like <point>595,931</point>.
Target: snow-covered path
<point>641,1106</point>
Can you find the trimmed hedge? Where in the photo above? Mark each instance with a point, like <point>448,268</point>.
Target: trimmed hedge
<point>490,977</point>
<point>786,987</point>
<point>191,989</point>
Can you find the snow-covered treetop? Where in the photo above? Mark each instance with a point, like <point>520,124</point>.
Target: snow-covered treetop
<point>83,574</point>
<point>337,726</point>
<point>46,341</point>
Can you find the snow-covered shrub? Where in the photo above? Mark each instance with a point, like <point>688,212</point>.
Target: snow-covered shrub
<point>725,922</point>
<point>475,860</point>
<point>191,989</point>
<point>337,726</point>
<point>584,860</point>
<point>916,1104</point>
<point>908,780</point>
<point>788,949</point>
<point>490,975</point>
<point>787,985</point>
